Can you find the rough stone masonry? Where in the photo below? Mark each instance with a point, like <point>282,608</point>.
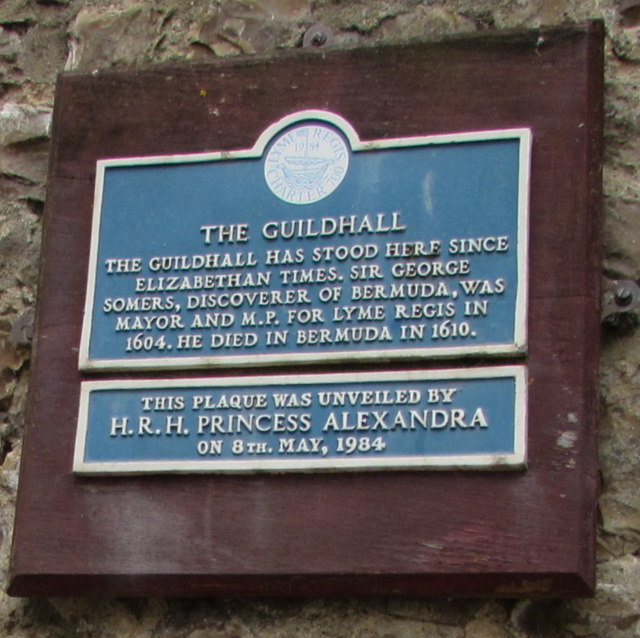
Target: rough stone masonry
<point>40,38</point>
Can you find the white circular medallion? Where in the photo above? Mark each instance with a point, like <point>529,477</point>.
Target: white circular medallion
<point>306,164</point>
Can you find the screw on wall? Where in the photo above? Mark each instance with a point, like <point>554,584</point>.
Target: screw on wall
<point>619,295</point>
<point>22,329</point>
<point>629,11</point>
<point>319,35</point>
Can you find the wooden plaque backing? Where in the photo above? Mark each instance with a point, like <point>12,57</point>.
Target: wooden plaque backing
<point>413,533</point>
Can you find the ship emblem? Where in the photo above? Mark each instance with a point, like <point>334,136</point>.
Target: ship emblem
<point>306,163</point>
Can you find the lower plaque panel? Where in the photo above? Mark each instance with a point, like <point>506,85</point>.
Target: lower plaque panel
<point>440,419</point>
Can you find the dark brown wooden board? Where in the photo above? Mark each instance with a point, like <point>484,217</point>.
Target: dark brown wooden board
<point>414,533</point>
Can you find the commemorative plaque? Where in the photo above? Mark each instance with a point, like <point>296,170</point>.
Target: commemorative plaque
<point>329,316</point>
<point>441,419</point>
<point>311,247</point>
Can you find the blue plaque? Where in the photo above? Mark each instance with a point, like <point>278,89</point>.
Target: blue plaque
<point>313,246</point>
<point>451,418</point>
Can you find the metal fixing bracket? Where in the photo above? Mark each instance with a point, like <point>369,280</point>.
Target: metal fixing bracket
<point>22,329</point>
<point>619,295</point>
<point>318,35</point>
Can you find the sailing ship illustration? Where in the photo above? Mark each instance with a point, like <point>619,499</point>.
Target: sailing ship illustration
<point>305,171</point>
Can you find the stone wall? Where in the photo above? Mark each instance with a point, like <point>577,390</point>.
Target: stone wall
<point>40,38</point>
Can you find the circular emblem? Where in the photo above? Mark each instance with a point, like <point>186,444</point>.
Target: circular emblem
<point>306,164</point>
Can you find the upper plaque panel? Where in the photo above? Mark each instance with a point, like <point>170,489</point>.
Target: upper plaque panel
<point>311,247</point>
